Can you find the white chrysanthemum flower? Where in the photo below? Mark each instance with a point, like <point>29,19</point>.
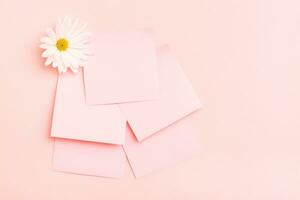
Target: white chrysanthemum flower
<point>66,46</point>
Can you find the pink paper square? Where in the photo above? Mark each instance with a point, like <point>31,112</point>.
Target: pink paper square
<point>74,119</point>
<point>177,99</point>
<point>122,69</point>
<point>88,158</point>
<point>169,146</point>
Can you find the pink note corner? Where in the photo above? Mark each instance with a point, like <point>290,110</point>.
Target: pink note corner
<point>169,146</point>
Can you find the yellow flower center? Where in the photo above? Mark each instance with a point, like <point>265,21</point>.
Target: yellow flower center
<point>62,44</point>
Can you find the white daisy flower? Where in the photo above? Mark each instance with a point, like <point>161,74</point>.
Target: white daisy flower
<point>66,46</point>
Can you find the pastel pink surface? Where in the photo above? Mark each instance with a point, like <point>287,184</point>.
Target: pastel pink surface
<point>122,69</point>
<point>176,99</point>
<point>88,158</point>
<point>169,146</point>
<point>74,119</point>
<point>242,58</point>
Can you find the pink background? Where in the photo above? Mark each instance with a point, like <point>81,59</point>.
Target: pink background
<point>242,58</point>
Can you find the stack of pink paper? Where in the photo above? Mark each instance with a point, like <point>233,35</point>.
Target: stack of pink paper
<point>132,98</point>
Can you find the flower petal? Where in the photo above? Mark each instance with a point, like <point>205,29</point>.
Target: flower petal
<point>50,32</point>
<point>47,40</point>
<point>58,27</point>
<point>73,27</point>
<point>80,30</point>
<point>78,54</point>
<point>46,46</point>
<point>49,61</point>
<point>48,52</point>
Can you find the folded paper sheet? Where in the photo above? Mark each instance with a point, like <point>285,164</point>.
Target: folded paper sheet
<point>176,99</point>
<point>74,119</point>
<point>122,69</point>
<point>169,146</point>
<point>88,158</point>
